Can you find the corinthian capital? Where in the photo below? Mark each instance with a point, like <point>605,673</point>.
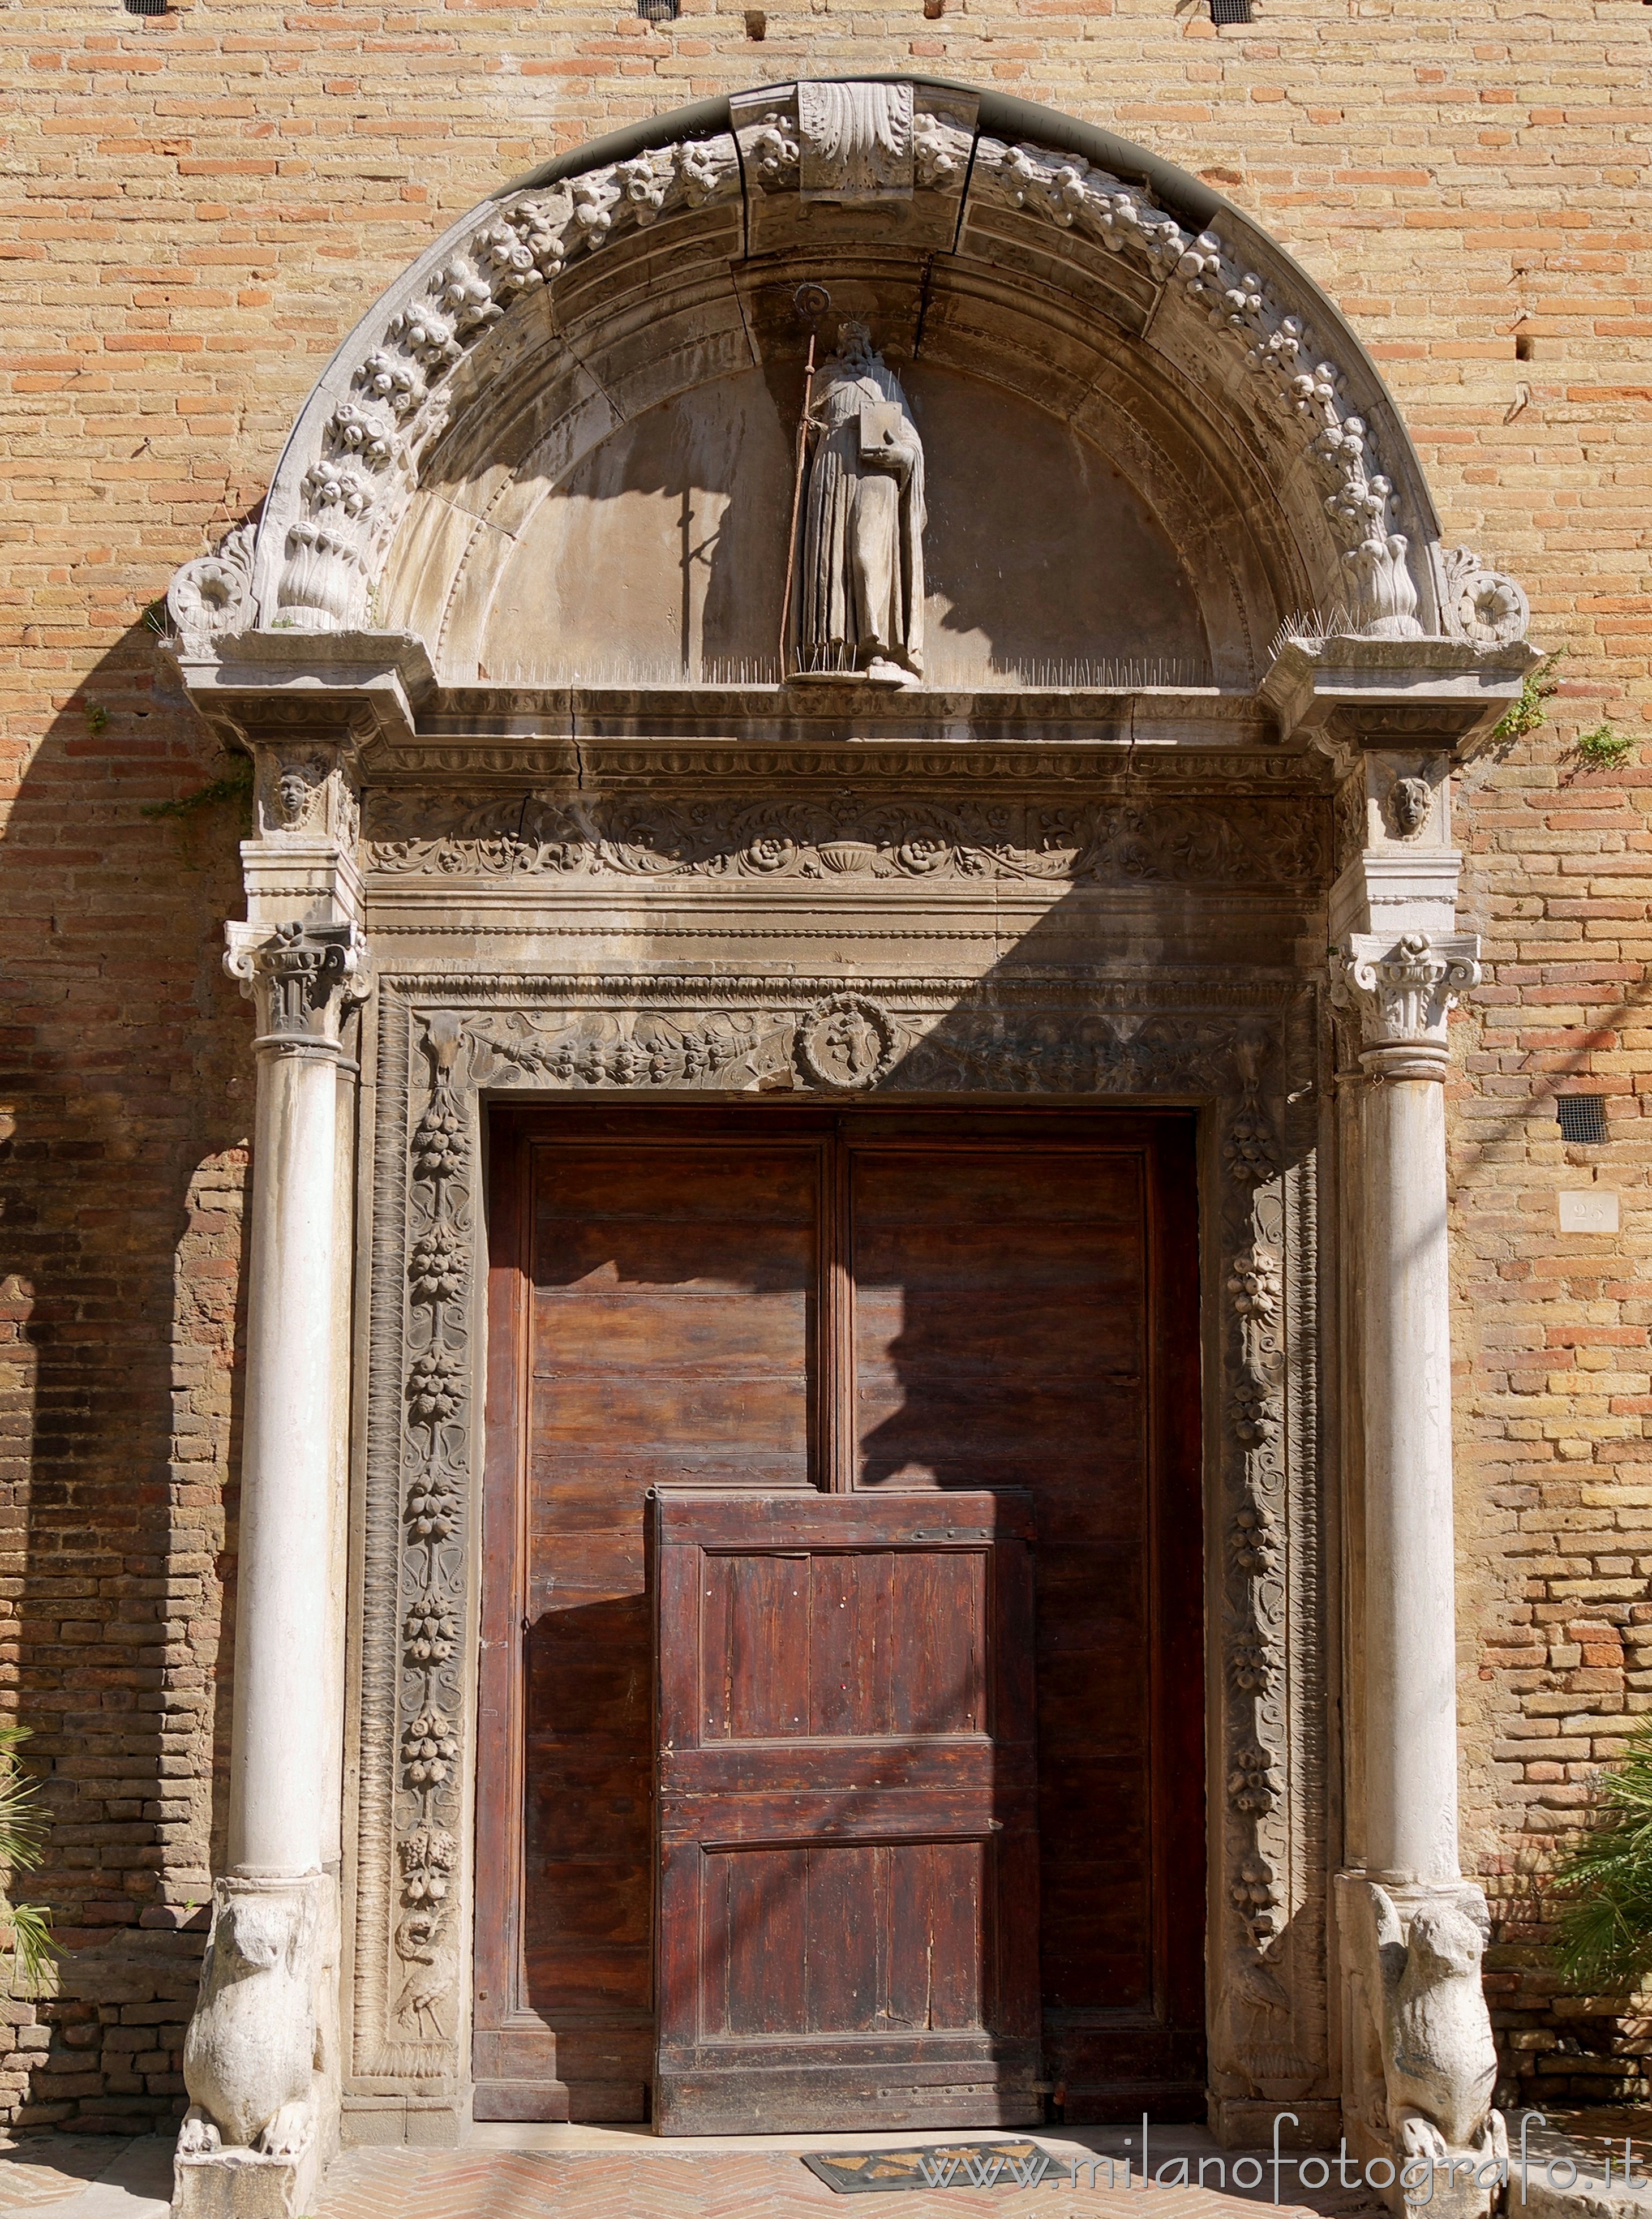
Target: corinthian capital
<point>301,977</point>
<point>1403,991</point>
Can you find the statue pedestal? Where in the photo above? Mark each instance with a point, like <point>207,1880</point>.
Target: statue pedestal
<point>246,2185</point>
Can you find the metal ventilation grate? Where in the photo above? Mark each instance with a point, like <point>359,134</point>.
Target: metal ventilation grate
<point>145,7</point>
<point>1231,11</point>
<point>657,12</point>
<point>1582,1119</point>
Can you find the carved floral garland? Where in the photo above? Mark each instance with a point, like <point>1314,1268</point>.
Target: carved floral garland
<point>435,1477</point>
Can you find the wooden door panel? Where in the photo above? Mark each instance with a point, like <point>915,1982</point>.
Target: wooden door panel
<point>916,1307</point>
<point>887,1938</point>
<point>1015,1325</point>
<point>886,1642</point>
<point>847,1912</point>
<point>662,1305</point>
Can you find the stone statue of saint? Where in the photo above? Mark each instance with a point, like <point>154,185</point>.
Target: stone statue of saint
<point>862,556</point>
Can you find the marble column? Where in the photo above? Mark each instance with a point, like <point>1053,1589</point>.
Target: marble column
<point>260,2057</point>
<point>1403,992</point>
<point>1413,1931</point>
<point>282,1730</point>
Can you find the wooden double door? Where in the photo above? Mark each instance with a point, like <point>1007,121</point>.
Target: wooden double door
<point>841,1713</point>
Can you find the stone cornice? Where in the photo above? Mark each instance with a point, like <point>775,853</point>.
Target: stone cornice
<point>1341,693</point>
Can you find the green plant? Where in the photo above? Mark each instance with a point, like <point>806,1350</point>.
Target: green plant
<point>22,1844</point>
<point>97,716</point>
<point>1605,1920</point>
<point>1603,748</point>
<point>235,785</point>
<point>1526,714</point>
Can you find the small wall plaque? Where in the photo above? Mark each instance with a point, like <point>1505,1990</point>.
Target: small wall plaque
<point>1589,1210</point>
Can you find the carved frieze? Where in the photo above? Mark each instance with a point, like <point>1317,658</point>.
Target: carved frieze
<point>843,837</point>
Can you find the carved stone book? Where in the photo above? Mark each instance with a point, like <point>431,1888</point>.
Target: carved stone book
<point>880,431</point>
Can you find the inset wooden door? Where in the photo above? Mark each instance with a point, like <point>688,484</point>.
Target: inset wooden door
<point>793,1303</point>
<point>849,1854</point>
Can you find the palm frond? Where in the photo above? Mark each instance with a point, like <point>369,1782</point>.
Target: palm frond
<point>31,1944</point>
<point>1605,1920</point>
<point>23,1823</point>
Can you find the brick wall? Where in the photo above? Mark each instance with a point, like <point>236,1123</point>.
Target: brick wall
<point>198,206</point>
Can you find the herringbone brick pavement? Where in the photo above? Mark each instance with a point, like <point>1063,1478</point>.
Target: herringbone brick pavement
<point>523,2184</point>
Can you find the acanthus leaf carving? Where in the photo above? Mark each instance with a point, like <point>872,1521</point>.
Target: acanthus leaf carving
<point>855,139</point>
<point>302,976</point>
<point>1404,991</point>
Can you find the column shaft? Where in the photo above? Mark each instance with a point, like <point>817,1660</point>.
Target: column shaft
<point>1410,1755</point>
<point>278,1772</point>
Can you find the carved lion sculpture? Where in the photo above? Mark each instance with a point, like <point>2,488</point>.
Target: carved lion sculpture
<point>251,2048</point>
<point>1439,2059</point>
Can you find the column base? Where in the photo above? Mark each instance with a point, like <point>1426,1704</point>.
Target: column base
<point>243,2184</point>
<point>1421,2061</point>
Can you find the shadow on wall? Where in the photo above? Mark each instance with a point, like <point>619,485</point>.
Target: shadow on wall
<point>661,556</point>
<point>126,1086</point>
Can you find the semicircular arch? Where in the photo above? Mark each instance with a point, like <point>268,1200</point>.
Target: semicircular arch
<point>1045,261</point>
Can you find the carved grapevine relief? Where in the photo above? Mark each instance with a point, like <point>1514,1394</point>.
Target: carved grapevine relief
<point>1258,1993</point>
<point>435,1477</point>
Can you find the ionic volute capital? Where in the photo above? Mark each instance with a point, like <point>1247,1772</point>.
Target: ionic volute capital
<point>1403,991</point>
<point>303,978</point>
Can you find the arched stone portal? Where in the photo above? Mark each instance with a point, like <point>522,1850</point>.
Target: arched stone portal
<point>1141,677</point>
